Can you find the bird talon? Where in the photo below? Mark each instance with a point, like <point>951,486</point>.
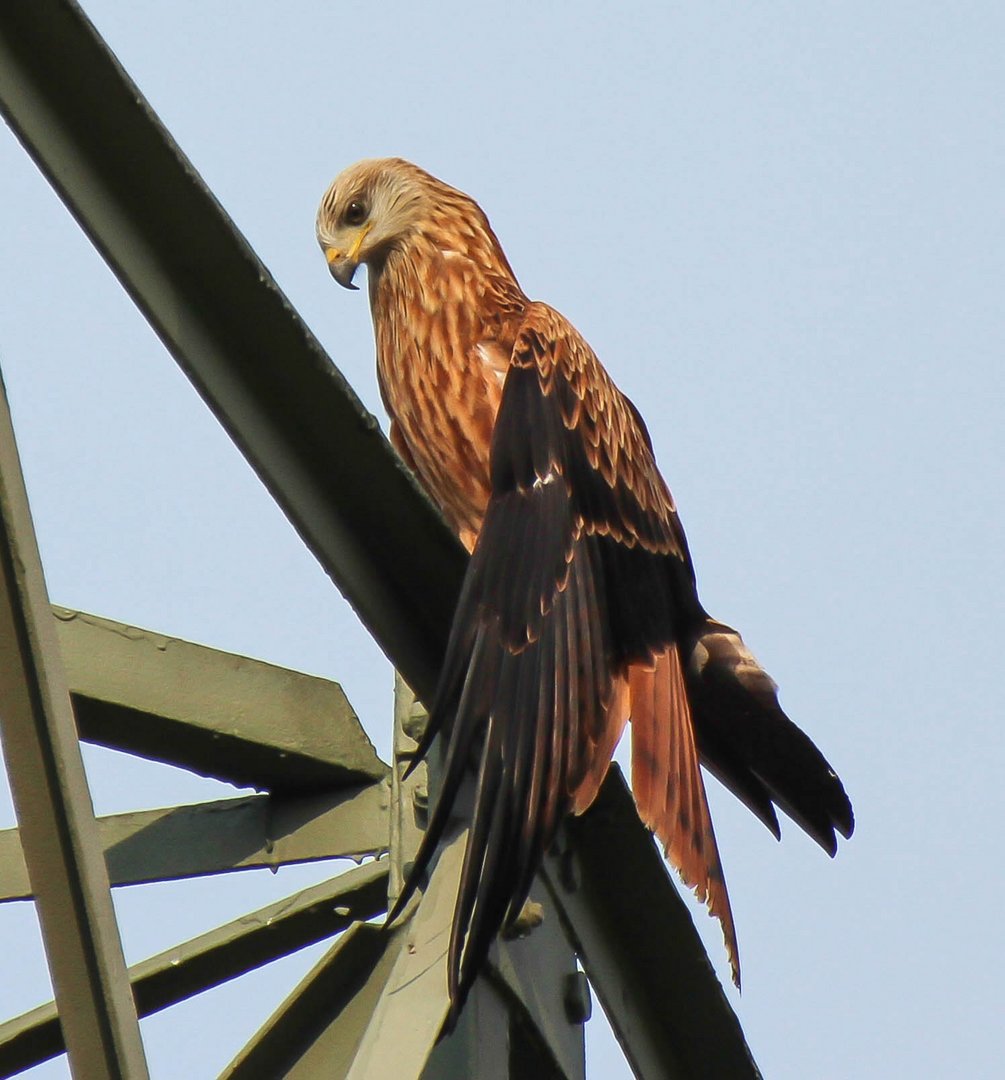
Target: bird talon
<point>530,918</point>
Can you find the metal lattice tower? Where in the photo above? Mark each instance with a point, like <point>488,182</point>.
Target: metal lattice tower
<point>373,1006</point>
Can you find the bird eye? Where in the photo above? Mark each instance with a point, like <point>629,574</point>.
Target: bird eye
<point>355,213</point>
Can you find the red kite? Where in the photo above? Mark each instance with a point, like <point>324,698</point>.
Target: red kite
<point>579,610</point>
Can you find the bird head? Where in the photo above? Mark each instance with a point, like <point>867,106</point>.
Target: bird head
<point>368,209</point>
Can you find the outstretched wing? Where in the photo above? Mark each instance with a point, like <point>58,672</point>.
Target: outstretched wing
<point>576,604</point>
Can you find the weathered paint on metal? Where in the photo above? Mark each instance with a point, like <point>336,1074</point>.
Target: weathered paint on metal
<point>407,1020</point>
<point>480,1044</point>
<point>534,972</point>
<point>674,1023</point>
<point>240,720</point>
<point>216,957</point>
<point>409,798</point>
<point>316,1031</point>
<point>225,835</point>
<point>220,313</point>
<point>53,804</point>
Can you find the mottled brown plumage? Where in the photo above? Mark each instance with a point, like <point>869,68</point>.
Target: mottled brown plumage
<point>579,611</point>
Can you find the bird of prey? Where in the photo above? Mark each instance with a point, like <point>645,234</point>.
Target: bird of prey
<point>579,610</point>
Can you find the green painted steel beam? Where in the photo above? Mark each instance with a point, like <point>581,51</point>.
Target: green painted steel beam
<point>216,957</point>
<point>218,310</point>
<point>53,803</point>
<point>240,720</point>
<point>402,1037</point>
<point>225,835</point>
<point>673,1022</point>
<point>415,998</point>
<point>530,979</point>
<point>480,1044</point>
<point>317,1029</point>
<point>374,1006</point>
<point>547,998</point>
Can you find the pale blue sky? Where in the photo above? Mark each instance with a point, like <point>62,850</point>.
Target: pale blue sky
<point>781,226</point>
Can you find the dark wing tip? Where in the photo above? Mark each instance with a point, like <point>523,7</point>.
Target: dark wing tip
<point>844,816</point>
<point>753,747</point>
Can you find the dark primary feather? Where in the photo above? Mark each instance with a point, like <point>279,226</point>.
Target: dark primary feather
<point>509,704</point>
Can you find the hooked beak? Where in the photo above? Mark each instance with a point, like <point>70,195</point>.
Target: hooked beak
<point>342,268</point>
<point>343,265</point>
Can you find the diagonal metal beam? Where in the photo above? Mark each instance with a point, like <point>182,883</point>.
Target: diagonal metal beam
<point>225,835</point>
<point>317,1029</point>
<point>675,1024</point>
<point>216,957</point>
<point>549,999</point>
<point>53,803</point>
<point>415,997</point>
<point>479,1046</point>
<point>524,1000</point>
<point>217,308</point>
<point>402,1037</point>
<point>240,720</point>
